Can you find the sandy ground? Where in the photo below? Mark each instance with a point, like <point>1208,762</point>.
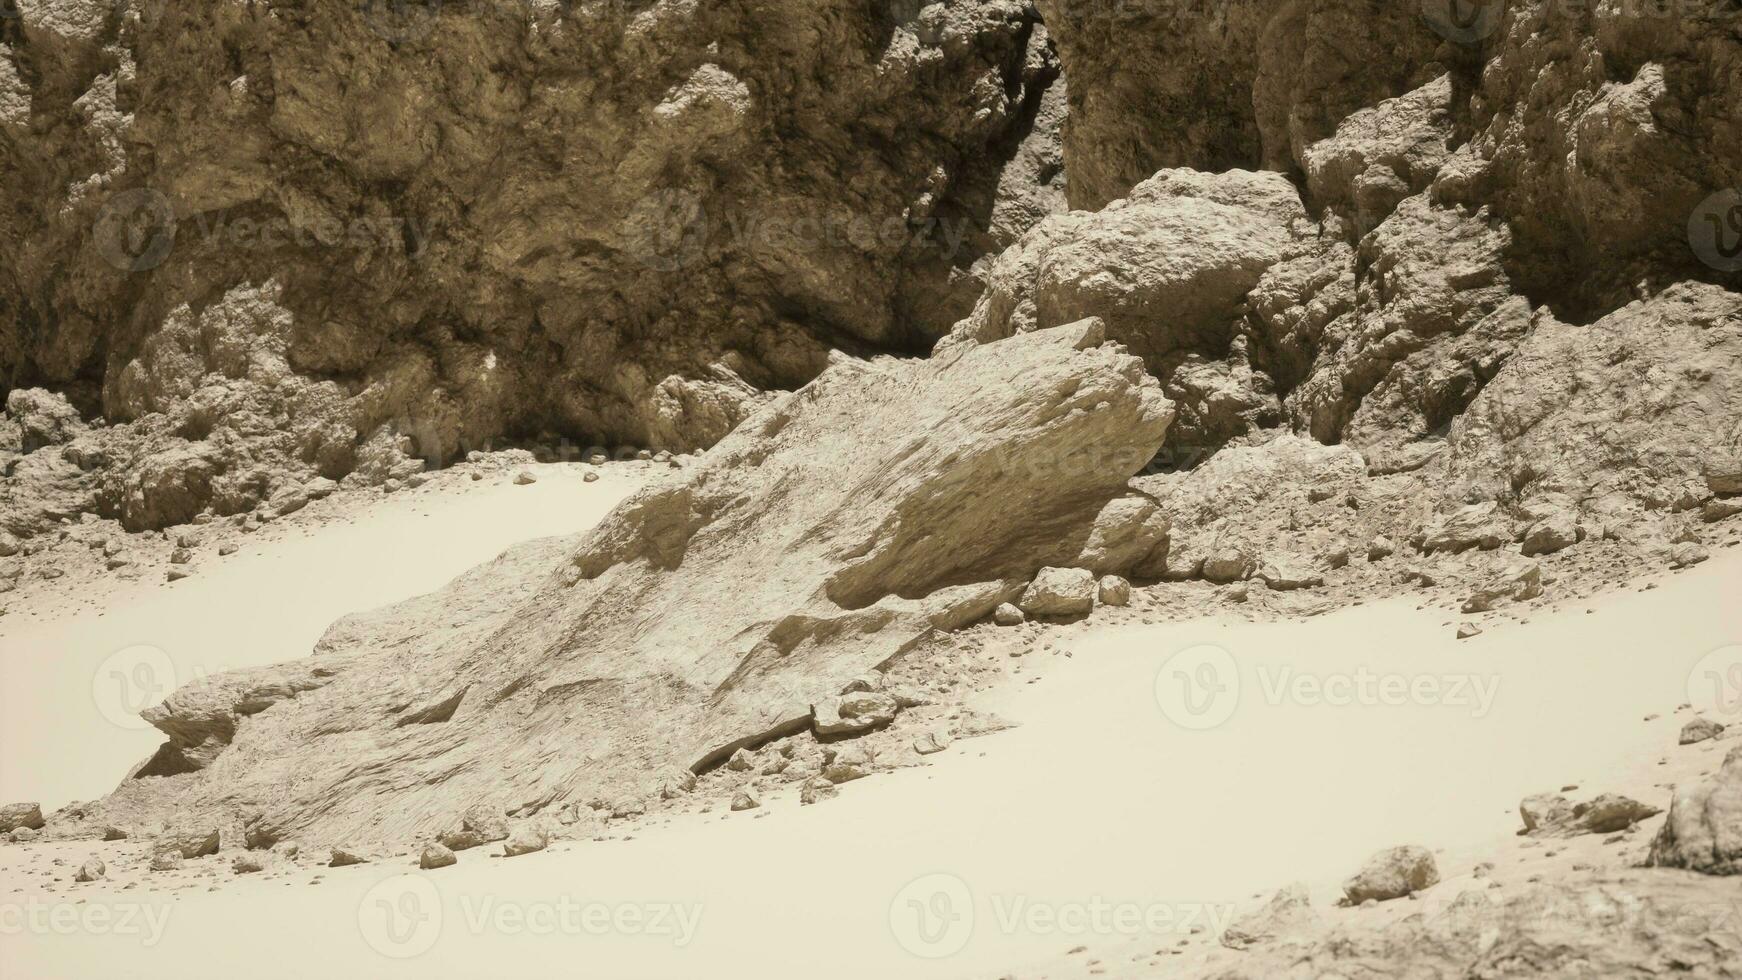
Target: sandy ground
<point>1162,774</point>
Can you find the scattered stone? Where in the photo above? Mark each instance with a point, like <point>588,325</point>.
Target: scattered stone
<point>523,478</point>
<point>816,789</point>
<point>92,870</point>
<point>180,556</point>
<point>849,714</point>
<point>435,855</point>
<point>1285,573</point>
<point>1551,534</point>
<point>1227,565</point>
<point>1552,815</point>
<point>1699,730</point>
<point>590,476</point>
<point>1393,873</point>
<point>1687,554</point>
<point>1059,592</point>
<point>1007,614</point>
<point>527,837</point>
<point>745,799</point>
<point>1467,630</point>
<point>226,549</point>
<point>344,857</point>
<point>245,864</point>
<point>166,861</point>
<point>931,743</point>
<point>1114,591</point>
<point>1518,582</point>
<point>113,832</point>
<point>191,842</point>
<point>23,835</point>
<point>480,824</point>
<point>846,764</point>
<point>177,574</point>
<point>741,761</point>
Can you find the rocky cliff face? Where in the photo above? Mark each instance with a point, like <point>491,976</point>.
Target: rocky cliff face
<point>619,221</point>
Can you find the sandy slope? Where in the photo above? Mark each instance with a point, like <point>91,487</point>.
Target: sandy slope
<point>1099,799</point>
<point>63,690</point>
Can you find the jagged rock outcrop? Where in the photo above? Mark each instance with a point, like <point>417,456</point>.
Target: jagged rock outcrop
<point>824,536</point>
<point>624,222</point>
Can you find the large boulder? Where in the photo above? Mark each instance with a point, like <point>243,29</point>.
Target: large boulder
<point>16,815</point>
<point>1393,873</point>
<point>705,613</point>
<point>1703,831</point>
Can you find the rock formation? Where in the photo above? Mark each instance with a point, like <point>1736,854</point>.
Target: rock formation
<point>826,535</point>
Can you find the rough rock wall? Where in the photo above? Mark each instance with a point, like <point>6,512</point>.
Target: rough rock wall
<point>620,220</point>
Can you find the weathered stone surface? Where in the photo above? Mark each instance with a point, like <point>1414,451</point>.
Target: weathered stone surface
<point>93,869</point>
<point>527,838</point>
<point>579,670</point>
<point>1552,815</point>
<point>1699,730</point>
<point>189,842</point>
<point>1518,581</point>
<point>663,209</point>
<point>481,824</point>
<point>1059,592</point>
<point>15,815</point>
<point>1288,911</point>
<point>436,856</point>
<point>1113,590</point>
<point>1703,831</point>
<point>1393,873</point>
<point>1286,572</point>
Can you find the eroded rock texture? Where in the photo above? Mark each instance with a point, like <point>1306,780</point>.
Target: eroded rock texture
<point>823,537</point>
<point>620,220</point>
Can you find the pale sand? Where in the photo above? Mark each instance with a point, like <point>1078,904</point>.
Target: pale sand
<point>1098,796</point>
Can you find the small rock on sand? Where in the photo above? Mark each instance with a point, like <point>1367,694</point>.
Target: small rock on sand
<point>435,856</point>
<point>745,800</point>
<point>1699,730</point>
<point>1393,873</point>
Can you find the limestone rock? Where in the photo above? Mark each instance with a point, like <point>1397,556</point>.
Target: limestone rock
<point>1518,582</point>
<point>92,870</point>
<point>1699,730</point>
<point>1393,873</point>
<point>838,587</point>
<point>189,842</point>
<point>1552,815</point>
<point>1703,831</point>
<point>817,789</point>
<point>1059,592</point>
<point>526,839</point>
<point>1286,572</point>
<point>1113,590</point>
<point>435,856</point>
<point>15,815</point>
<point>481,824</point>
